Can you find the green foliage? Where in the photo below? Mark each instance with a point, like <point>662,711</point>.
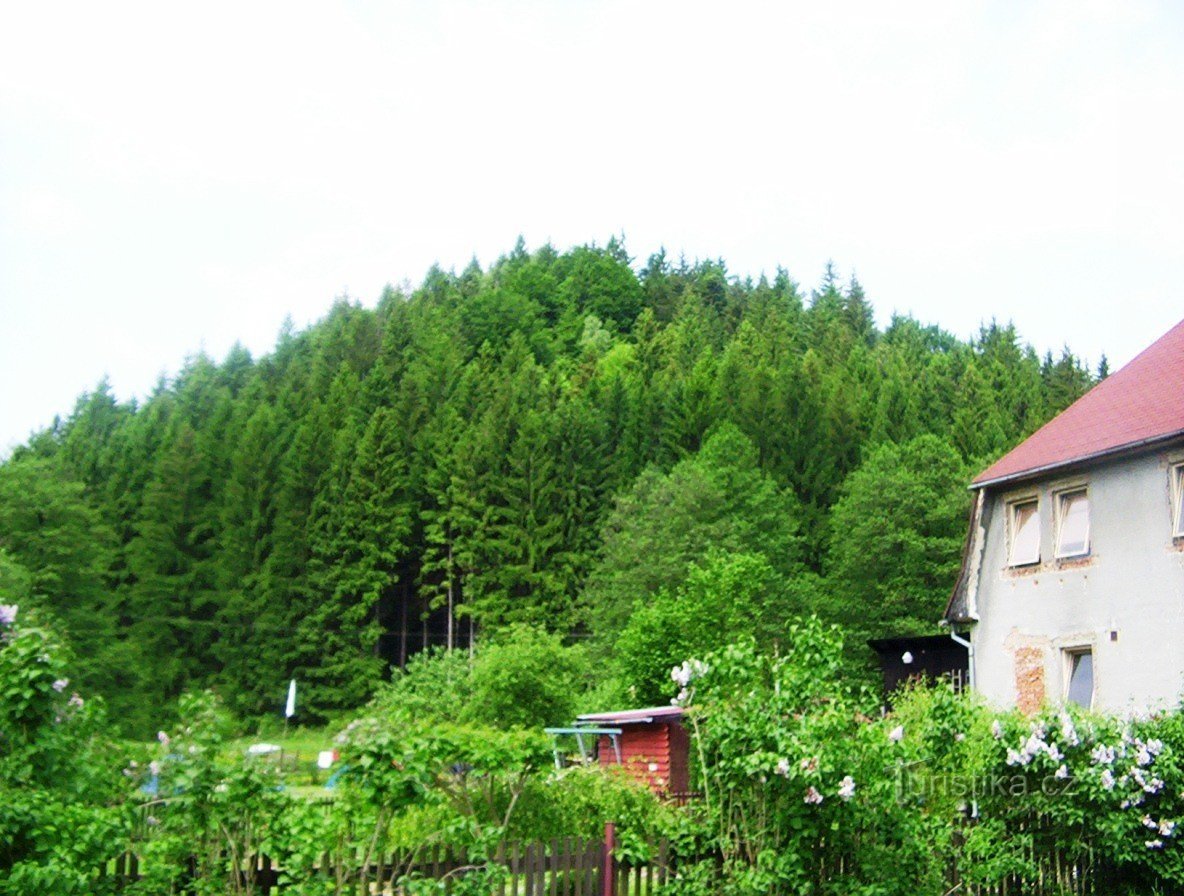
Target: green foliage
<point>57,785</point>
<point>896,535</point>
<point>551,442</point>
<point>797,779</point>
<point>527,679</point>
<point>724,598</point>
<point>718,499</point>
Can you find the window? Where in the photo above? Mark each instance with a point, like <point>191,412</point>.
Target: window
<point>1178,500</point>
<point>1024,538</point>
<point>1072,523</point>
<point>1079,668</point>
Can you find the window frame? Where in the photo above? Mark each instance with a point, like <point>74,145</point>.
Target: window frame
<point>1061,499</point>
<point>1014,506</point>
<point>1069,654</point>
<point>1176,493</point>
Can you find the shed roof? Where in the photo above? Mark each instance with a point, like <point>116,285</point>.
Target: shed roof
<point>1141,404</point>
<point>635,716</point>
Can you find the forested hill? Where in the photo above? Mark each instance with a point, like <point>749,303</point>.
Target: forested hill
<point>635,458</point>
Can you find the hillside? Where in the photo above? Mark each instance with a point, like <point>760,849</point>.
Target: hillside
<point>634,458</point>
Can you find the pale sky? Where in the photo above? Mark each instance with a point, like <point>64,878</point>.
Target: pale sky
<point>175,178</point>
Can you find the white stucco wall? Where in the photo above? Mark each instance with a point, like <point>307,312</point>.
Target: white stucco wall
<point>1131,584</point>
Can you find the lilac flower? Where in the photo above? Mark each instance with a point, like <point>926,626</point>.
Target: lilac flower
<point>1068,731</point>
<point>1054,752</point>
<point>1153,844</point>
<point>163,738</point>
<point>1107,780</point>
<point>8,614</point>
<point>1062,772</point>
<point>996,730</point>
<point>809,764</point>
<point>1154,746</point>
<point>812,796</point>
<point>75,701</point>
<point>1167,828</point>
<point>1143,757</point>
<point>1149,822</point>
<point>782,768</point>
<point>154,767</point>
<point>1102,755</point>
<point>61,684</point>
<point>896,735</point>
<point>846,788</point>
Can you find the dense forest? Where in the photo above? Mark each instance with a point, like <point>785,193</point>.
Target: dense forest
<point>638,459</point>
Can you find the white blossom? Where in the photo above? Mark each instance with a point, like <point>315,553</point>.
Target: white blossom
<point>1153,844</point>
<point>1143,756</point>
<point>782,768</point>
<point>163,738</point>
<point>1167,828</point>
<point>8,614</point>
<point>846,788</point>
<point>996,730</point>
<point>1102,755</point>
<point>1062,772</point>
<point>1154,746</point>
<point>1107,780</point>
<point>896,734</point>
<point>1149,822</point>
<point>1068,730</point>
<point>809,764</point>
<point>812,796</point>
<point>61,684</point>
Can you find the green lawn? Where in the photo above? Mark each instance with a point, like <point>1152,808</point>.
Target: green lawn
<point>298,755</point>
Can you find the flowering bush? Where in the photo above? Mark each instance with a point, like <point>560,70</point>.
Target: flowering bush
<point>57,783</point>
<point>798,779</point>
<point>1075,782</point>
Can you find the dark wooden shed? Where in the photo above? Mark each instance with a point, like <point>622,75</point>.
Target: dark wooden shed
<point>927,658</point>
<point>653,745</point>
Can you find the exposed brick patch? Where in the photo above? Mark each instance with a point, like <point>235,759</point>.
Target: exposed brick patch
<point>1076,562</point>
<point>1029,679</point>
<point>1016,572</point>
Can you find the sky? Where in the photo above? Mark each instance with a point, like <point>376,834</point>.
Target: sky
<point>174,178</point>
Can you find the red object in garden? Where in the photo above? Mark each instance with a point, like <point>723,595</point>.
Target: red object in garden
<point>653,746</point>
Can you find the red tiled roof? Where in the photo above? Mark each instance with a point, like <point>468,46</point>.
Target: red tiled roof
<point>1143,402</point>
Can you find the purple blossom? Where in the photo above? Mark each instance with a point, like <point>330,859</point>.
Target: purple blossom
<point>61,684</point>
<point>8,613</point>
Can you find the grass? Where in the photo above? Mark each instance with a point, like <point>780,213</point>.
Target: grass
<point>299,747</point>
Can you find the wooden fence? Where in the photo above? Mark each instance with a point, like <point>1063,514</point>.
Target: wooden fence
<point>578,867</point>
<point>568,866</point>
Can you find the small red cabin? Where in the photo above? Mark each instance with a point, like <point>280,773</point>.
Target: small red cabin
<point>652,745</point>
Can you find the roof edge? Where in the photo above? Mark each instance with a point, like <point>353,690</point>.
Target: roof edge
<point>1083,459</point>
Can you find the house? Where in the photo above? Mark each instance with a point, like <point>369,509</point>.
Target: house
<point>651,744</point>
<point>1072,582</point>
